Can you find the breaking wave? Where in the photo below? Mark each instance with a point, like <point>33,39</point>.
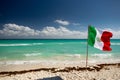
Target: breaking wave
<point>32,54</point>
<point>101,55</point>
<point>27,44</point>
<point>18,62</point>
<point>73,55</point>
<point>115,43</point>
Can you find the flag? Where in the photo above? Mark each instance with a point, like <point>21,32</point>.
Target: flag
<point>99,39</point>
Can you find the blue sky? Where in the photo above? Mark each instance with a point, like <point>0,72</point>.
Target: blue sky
<point>57,18</point>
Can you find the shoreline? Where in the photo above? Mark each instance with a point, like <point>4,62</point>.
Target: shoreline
<point>96,67</point>
<point>19,65</point>
<point>106,71</point>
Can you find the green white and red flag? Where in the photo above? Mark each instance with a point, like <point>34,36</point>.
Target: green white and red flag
<point>99,39</point>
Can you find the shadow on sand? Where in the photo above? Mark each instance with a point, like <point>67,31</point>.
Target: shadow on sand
<point>52,78</point>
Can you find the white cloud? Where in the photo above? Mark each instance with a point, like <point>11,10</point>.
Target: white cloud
<point>62,32</point>
<point>17,31</point>
<point>62,22</point>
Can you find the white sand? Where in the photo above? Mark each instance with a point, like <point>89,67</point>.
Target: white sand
<point>112,74</point>
<point>107,72</point>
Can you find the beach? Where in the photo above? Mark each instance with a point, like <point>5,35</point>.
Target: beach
<point>60,71</point>
<point>59,39</point>
<point>52,59</point>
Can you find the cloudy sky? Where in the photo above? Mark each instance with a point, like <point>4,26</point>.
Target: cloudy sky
<point>57,18</point>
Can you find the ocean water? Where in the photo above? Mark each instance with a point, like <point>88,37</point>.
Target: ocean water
<point>54,49</point>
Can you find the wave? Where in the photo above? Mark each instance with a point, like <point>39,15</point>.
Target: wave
<point>52,62</point>
<point>17,62</point>
<point>37,43</point>
<point>14,44</point>
<point>101,55</point>
<point>73,55</point>
<point>21,44</point>
<point>32,54</point>
<point>115,43</point>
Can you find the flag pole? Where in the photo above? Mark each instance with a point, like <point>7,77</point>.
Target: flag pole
<point>87,50</point>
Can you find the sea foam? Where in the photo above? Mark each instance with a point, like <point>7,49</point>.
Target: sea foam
<point>102,55</point>
<point>17,62</point>
<point>22,44</point>
<point>73,55</point>
<point>32,54</point>
<point>115,43</point>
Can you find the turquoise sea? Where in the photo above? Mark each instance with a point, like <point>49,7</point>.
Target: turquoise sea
<point>54,49</point>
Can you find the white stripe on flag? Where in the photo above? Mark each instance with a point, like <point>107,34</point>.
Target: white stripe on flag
<point>98,43</point>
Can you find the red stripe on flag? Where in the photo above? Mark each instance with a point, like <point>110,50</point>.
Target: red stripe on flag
<point>106,40</point>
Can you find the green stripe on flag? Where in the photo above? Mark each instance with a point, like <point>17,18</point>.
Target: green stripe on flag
<point>91,35</point>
